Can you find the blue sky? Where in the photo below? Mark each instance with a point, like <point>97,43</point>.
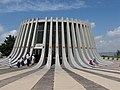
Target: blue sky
<point>103,14</point>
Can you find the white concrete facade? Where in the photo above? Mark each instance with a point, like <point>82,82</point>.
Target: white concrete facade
<point>58,41</point>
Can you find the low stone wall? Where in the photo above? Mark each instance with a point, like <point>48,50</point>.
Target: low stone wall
<point>110,58</point>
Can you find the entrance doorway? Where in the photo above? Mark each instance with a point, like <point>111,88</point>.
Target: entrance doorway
<point>37,53</point>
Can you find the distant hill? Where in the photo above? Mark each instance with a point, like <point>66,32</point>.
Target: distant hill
<point>107,53</point>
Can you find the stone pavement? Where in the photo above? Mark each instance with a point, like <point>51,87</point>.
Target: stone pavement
<point>26,78</point>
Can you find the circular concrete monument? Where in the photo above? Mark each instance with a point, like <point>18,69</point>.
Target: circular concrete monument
<point>59,41</point>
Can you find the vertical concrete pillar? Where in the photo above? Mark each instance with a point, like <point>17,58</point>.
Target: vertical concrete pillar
<point>15,44</point>
<point>42,58</point>
<point>70,53</point>
<point>80,44</point>
<point>28,39</point>
<point>90,42</point>
<point>34,34</point>
<point>75,47</point>
<point>87,41</point>
<point>103,62</point>
<point>64,58</point>
<point>84,43</point>
<point>20,42</point>
<point>57,59</point>
<point>22,49</point>
<point>17,39</point>
<point>49,59</point>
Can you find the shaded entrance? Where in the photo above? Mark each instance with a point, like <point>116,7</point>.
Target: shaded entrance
<point>37,53</point>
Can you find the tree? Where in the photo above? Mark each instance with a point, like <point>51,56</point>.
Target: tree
<point>117,54</point>
<point>7,46</point>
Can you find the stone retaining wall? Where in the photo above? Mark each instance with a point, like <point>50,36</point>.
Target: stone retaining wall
<point>110,58</point>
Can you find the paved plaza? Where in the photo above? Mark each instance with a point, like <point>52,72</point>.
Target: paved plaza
<point>27,78</point>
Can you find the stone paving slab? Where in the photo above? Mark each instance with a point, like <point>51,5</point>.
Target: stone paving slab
<point>8,70</point>
<point>107,83</point>
<point>11,74</point>
<point>114,66</point>
<point>14,78</point>
<point>106,72</point>
<point>62,81</point>
<point>115,77</point>
<point>46,82</point>
<point>88,84</point>
<point>26,83</point>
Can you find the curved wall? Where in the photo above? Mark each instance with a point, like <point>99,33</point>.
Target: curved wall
<point>66,42</point>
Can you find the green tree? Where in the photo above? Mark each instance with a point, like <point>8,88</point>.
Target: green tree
<point>7,46</point>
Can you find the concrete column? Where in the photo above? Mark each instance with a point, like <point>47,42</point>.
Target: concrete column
<point>20,41</point>
<point>95,52</point>
<point>91,43</point>
<point>82,26</point>
<point>75,47</point>
<point>17,39</point>
<point>49,60</point>
<point>15,44</point>
<point>64,58</point>
<point>57,60</point>
<point>42,58</point>
<point>24,43</point>
<point>93,46</point>
<point>80,44</point>
<point>87,41</point>
<point>28,39</point>
<point>70,53</point>
<point>34,34</point>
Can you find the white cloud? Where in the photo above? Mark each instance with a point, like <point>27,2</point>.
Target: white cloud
<point>4,33</point>
<point>4,1</point>
<point>110,42</point>
<point>109,46</point>
<point>1,28</point>
<point>98,37</point>
<point>115,32</point>
<point>92,24</point>
<point>40,5</point>
<point>104,44</point>
<point>8,1</point>
<point>13,32</point>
